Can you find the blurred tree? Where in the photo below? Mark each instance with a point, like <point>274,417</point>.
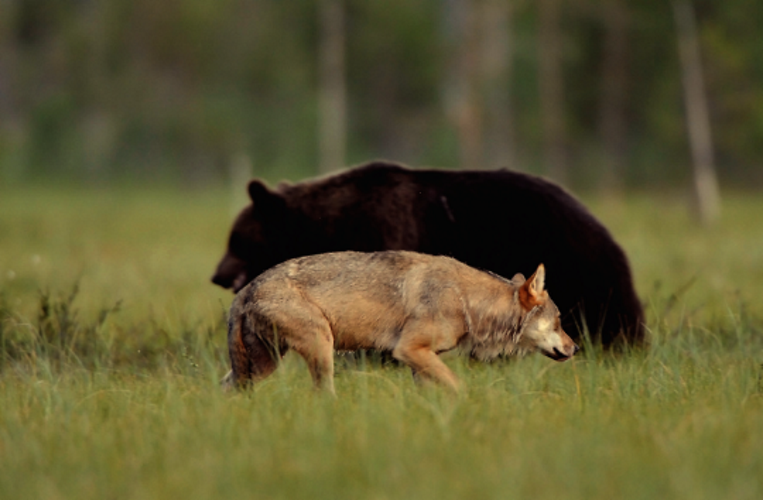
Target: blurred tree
<point>697,115</point>
<point>497,53</point>
<point>478,88</point>
<point>332,127</point>
<point>587,91</point>
<point>551,86</point>
<point>462,97</point>
<point>613,127</point>
<point>732,57</point>
<point>396,55</point>
<point>10,126</point>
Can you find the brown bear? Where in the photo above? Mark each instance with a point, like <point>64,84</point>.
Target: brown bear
<point>497,220</point>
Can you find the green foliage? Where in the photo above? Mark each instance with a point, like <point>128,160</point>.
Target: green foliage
<point>176,89</point>
<point>61,340</point>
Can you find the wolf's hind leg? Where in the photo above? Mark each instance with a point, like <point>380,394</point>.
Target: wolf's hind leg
<point>261,361</point>
<point>264,359</point>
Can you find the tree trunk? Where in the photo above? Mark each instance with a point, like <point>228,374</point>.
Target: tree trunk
<point>497,55</point>
<point>612,108</point>
<point>552,89</point>
<point>11,124</point>
<point>462,100</point>
<point>697,115</point>
<point>332,114</point>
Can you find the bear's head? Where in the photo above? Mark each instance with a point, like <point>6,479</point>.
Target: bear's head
<point>260,238</point>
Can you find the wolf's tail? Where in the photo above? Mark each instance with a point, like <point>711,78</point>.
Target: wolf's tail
<point>256,357</point>
<point>239,358</point>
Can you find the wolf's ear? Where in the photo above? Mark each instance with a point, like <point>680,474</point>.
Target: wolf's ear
<point>262,197</point>
<point>518,279</point>
<point>531,291</point>
<point>538,280</point>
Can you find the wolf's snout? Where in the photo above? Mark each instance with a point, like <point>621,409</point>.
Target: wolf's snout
<point>562,354</point>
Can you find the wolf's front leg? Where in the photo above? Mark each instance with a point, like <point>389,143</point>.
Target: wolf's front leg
<point>422,337</point>
<point>426,365</point>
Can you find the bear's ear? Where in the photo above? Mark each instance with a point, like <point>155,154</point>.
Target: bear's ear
<point>258,191</point>
<point>264,198</point>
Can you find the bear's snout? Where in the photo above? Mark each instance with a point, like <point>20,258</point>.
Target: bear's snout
<point>230,273</point>
<point>221,280</point>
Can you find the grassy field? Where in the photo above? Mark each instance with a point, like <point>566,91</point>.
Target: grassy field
<point>112,341</point>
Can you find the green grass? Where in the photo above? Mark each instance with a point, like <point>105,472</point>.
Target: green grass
<point>112,341</point>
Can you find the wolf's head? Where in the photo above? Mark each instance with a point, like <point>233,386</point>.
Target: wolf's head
<point>542,328</point>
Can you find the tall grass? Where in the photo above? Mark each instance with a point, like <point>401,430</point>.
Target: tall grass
<point>112,344</point>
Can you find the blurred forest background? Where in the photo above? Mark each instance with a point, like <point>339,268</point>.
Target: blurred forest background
<point>589,92</point>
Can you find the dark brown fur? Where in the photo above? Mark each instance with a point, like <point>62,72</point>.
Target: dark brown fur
<point>475,216</point>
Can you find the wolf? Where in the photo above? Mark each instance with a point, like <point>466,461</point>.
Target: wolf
<point>415,305</point>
